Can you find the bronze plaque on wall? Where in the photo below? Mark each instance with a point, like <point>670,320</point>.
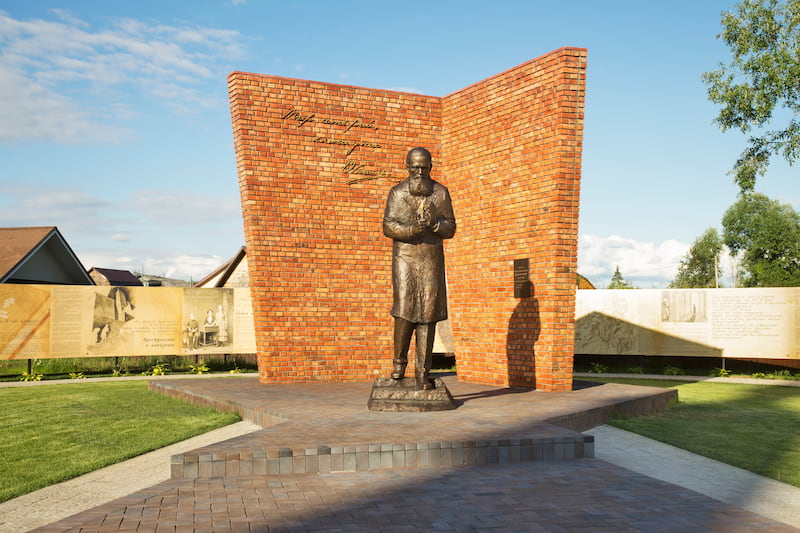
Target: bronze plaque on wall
<point>522,283</point>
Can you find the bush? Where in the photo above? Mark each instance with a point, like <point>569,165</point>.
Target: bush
<point>598,368</point>
<point>61,368</point>
<point>158,369</point>
<point>670,370</point>
<point>198,368</point>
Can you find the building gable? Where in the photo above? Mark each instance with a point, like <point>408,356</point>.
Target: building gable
<point>39,255</point>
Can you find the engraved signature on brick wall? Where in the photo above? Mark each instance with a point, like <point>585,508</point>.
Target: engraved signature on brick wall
<point>354,168</point>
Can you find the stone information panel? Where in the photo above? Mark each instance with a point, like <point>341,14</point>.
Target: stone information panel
<point>746,323</point>
<point>52,321</point>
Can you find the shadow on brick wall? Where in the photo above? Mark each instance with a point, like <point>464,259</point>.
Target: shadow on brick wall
<point>523,332</point>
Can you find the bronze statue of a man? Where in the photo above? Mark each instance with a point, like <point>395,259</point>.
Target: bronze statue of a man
<point>418,216</point>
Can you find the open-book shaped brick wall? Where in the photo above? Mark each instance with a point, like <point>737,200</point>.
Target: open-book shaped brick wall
<point>315,163</point>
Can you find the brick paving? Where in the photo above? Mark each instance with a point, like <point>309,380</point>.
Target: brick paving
<point>582,494</point>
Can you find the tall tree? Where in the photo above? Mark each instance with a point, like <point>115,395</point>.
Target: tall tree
<point>699,268</point>
<point>765,234</point>
<point>763,76</point>
<point>617,281</point>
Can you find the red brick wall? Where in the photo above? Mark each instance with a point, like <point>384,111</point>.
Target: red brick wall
<point>320,267</point>
<point>512,151</point>
<point>509,150</point>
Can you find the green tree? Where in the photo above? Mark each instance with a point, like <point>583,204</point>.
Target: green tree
<point>617,282</point>
<point>763,76</point>
<point>765,235</point>
<point>699,268</point>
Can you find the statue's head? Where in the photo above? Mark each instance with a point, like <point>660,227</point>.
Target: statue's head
<point>419,164</point>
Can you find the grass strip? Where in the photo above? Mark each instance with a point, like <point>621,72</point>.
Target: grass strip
<point>51,433</point>
<point>754,427</point>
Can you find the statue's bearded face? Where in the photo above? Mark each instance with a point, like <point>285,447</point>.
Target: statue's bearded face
<point>419,173</point>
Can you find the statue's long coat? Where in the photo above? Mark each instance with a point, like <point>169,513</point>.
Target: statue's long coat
<point>418,277</point>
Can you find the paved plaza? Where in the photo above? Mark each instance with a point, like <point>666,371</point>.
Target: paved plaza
<point>563,489</point>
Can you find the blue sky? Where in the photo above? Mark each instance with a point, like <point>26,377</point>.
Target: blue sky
<point>115,126</point>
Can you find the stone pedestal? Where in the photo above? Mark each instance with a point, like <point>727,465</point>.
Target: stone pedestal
<point>403,395</point>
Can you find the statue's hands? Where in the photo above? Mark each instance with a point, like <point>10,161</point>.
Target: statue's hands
<point>426,218</point>
<point>418,227</point>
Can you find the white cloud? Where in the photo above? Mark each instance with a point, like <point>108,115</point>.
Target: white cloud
<point>194,267</point>
<point>29,110</point>
<point>67,17</point>
<point>173,224</point>
<point>55,75</point>
<point>179,208</point>
<point>182,266</point>
<point>643,262</point>
<point>404,90</point>
<point>69,209</point>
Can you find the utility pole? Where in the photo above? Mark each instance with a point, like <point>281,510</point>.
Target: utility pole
<point>716,272</point>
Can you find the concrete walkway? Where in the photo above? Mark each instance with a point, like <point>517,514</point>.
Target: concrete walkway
<point>743,381</point>
<point>720,481</point>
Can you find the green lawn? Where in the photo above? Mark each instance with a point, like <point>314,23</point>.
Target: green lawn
<point>755,427</point>
<point>51,433</point>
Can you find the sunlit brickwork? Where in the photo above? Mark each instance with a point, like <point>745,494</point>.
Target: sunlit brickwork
<point>315,163</point>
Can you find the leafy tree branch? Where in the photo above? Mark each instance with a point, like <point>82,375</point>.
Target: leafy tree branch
<point>762,78</point>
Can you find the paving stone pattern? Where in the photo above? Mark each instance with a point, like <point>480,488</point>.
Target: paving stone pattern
<point>557,495</point>
<point>582,495</point>
<point>326,427</point>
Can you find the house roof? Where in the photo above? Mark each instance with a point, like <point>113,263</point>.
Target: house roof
<point>222,273</point>
<point>118,278</point>
<point>584,283</point>
<point>39,255</point>
<point>16,243</point>
<point>148,279</point>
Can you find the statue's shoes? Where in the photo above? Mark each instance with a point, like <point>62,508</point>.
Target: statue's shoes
<point>399,372</point>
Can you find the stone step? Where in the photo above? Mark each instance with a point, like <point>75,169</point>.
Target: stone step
<point>364,457</point>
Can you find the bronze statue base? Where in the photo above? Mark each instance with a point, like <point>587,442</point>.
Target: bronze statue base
<point>404,395</point>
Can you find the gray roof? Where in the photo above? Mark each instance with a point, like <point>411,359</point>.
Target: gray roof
<point>119,278</point>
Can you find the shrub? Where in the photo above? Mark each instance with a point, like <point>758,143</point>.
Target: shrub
<point>158,369</point>
<point>198,368</point>
<point>670,370</point>
<point>720,373</point>
<point>598,368</point>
